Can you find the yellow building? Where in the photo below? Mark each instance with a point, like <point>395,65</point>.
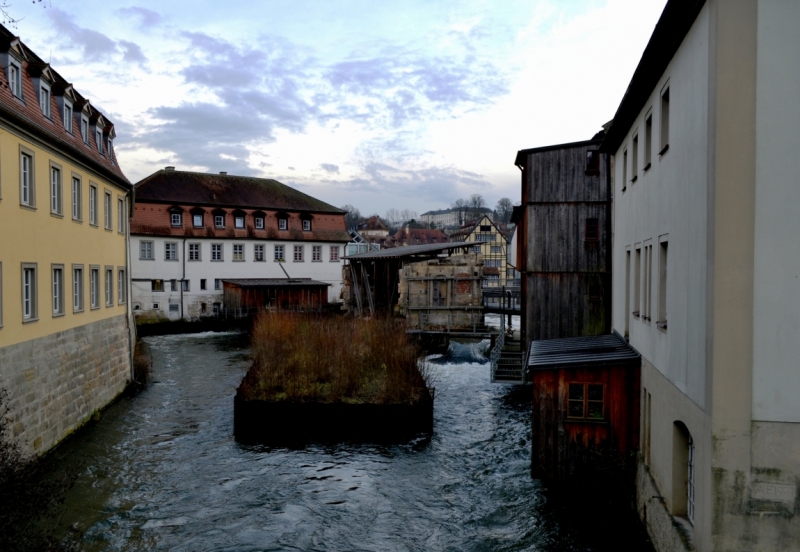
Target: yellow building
<point>492,244</point>
<point>65,326</point>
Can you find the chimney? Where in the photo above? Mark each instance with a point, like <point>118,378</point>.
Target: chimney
<point>169,168</point>
<point>223,173</point>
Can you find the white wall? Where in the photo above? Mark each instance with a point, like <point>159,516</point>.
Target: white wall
<point>324,271</point>
<point>776,339</point>
<point>670,200</point>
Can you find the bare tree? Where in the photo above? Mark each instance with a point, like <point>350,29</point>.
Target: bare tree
<point>503,209</point>
<point>393,217</point>
<point>407,215</point>
<point>9,19</point>
<point>352,217</point>
<point>461,206</point>
<point>476,204</point>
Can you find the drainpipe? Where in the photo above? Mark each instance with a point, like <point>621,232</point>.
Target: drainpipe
<point>129,303</point>
<point>183,275</point>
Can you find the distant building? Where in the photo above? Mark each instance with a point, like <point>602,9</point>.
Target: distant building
<point>417,236</point>
<point>454,218</point>
<point>373,227</point>
<point>65,329</point>
<point>490,241</point>
<point>191,231</point>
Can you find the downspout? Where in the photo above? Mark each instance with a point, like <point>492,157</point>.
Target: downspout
<point>183,274</point>
<point>129,303</point>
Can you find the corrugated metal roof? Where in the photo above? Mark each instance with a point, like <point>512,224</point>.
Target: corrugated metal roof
<point>599,350</point>
<point>273,282</point>
<point>408,251</point>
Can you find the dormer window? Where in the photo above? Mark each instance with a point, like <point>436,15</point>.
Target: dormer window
<point>219,221</point>
<point>197,220</point>
<point>238,222</point>
<point>98,137</point>
<point>110,151</point>
<point>283,224</point>
<point>44,99</point>
<point>176,219</point>
<point>259,221</point>
<point>15,79</point>
<point>68,117</point>
<point>85,129</point>
<point>307,225</point>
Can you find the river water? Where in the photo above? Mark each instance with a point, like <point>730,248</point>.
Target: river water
<point>162,471</point>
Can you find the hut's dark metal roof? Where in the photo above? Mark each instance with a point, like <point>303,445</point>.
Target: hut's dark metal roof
<point>225,190</point>
<point>408,251</point>
<point>273,282</point>
<point>571,352</point>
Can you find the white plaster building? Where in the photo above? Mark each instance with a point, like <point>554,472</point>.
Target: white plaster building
<point>191,231</point>
<point>705,272</point>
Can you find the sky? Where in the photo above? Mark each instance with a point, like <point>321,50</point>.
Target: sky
<point>407,105</point>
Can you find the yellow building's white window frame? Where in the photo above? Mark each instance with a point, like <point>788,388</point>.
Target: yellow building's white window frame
<point>78,288</point>
<point>107,220</point>
<point>27,177</point>
<point>93,197</point>
<point>109,285</point>
<point>29,292</point>
<point>57,289</point>
<point>94,287</point>
<point>56,190</point>
<point>76,197</point>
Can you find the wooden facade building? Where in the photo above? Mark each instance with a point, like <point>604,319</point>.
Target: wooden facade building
<point>245,295</point>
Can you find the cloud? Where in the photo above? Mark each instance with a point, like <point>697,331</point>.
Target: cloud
<point>132,52</point>
<point>329,167</point>
<point>94,46</point>
<point>147,18</point>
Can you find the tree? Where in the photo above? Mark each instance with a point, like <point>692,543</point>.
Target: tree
<point>461,207</point>
<point>407,215</point>
<point>476,204</point>
<point>9,19</point>
<point>504,208</point>
<point>352,217</point>
<point>393,218</point>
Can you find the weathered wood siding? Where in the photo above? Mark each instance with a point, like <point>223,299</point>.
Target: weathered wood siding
<point>565,306</point>
<point>562,448</point>
<point>559,175</point>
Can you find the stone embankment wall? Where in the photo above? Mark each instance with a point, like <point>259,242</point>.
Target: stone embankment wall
<point>55,383</point>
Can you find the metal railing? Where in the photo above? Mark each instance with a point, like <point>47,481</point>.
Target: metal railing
<point>475,321</point>
<point>508,298</point>
<point>494,357</point>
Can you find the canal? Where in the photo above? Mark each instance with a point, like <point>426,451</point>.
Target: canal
<point>161,471</point>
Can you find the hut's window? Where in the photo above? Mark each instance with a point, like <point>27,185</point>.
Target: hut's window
<point>592,229</point>
<point>585,401</point>
<point>592,162</point>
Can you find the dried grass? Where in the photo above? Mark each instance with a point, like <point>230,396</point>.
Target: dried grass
<point>334,359</point>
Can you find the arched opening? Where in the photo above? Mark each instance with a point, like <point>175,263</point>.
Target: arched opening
<point>683,472</point>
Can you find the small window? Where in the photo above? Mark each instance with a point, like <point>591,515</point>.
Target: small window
<point>279,256</point>
<point>58,290</point>
<point>156,285</point>
<point>15,79</point>
<point>592,162</point>
<point>486,228</point>
<point>203,307</point>
<point>316,253</point>
<point>258,253</point>
<point>238,222</point>
<point>592,229</point>
<point>68,116</point>
<point>121,216</point>
<point>585,401</point>
<point>85,129</point>
<point>334,253</point>
<point>662,285</point>
<point>44,99</point>
<point>664,121</point>
<point>648,140</point>
<point>174,307</point>
<point>94,288</point>
<point>29,293</point>
<point>283,224</point>
<point>93,205</point>
<point>77,288</point>
<point>624,170</point>
<point>173,285</point>
<point>238,252</point>
<point>219,221</point>
<point>306,225</point>
<point>202,283</point>
<point>635,158</point>
<point>109,287</point>
<point>217,284</point>
<point>107,210</point>
<point>298,253</point>
<point>171,252</point>
<point>216,251</point>
<point>176,219</point>
<point>55,190</point>
<point>76,198</point>
<point>185,285</point>
<point>98,137</point>
<point>497,249</point>
<point>259,221</point>
<point>637,281</point>
<point>27,193</point>
<point>197,220</point>
<point>156,306</point>
<point>476,248</point>
<point>194,251</point>
<point>146,250</point>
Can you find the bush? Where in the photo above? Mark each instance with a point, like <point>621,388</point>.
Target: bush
<point>333,359</point>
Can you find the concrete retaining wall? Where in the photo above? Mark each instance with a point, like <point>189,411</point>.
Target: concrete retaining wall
<point>55,383</point>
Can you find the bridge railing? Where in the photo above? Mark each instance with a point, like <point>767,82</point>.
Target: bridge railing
<point>508,298</point>
<point>494,356</point>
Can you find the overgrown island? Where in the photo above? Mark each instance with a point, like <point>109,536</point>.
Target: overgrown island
<point>332,378</point>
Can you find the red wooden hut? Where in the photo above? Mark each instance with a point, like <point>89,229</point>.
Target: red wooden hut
<point>252,294</point>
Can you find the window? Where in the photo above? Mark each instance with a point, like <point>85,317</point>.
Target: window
<point>98,137</point>
<point>486,228</point>
<point>93,205</point>
<point>27,191</point>
<point>585,401</point>
<point>15,79</point>
<point>29,295</point>
<point>485,237</point>
<point>219,221</point>
<point>156,285</point>
<point>176,219</point>
<point>155,306</point>
<point>637,280</point>
<point>592,232</point>
<point>258,253</point>
<point>217,284</point>
<point>194,251</point>
<point>238,252</point>
<point>334,253</point>
<point>662,285</point>
<point>44,99</point>
<point>635,158</point>
<point>197,220</point>
<point>283,224</point>
<point>495,263</point>
<point>476,248</point>
<point>497,249</point>
<point>122,288</point>
<point>107,207</point>
<point>109,286</point>
<point>203,308</point>
<point>306,225</point>
<point>85,129</point>
<point>55,190</point>
<point>316,253</point>
<point>259,221</point>
<point>67,116</point>
<point>216,251</point>
<point>238,222</point>
<point>170,251</point>
<point>202,283</point>
<point>648,282</point>
<point>120,215</point>
<point>648,140</point>
<point>592,162</point>
<point>58,290</point>
<point>627,288</point>
<point>624,169</point>
<point>174,307</point>
<point>683,476</point>
<point>646,410</point>
<point>76,198</point>
<point>77,288</point>
<point>173,285</point>
<point>279,253</point>
<point>94,288</point>
<point>185,285</point>
<point>664,120</point>
<point>146,250</point>
<point>298,253</point>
